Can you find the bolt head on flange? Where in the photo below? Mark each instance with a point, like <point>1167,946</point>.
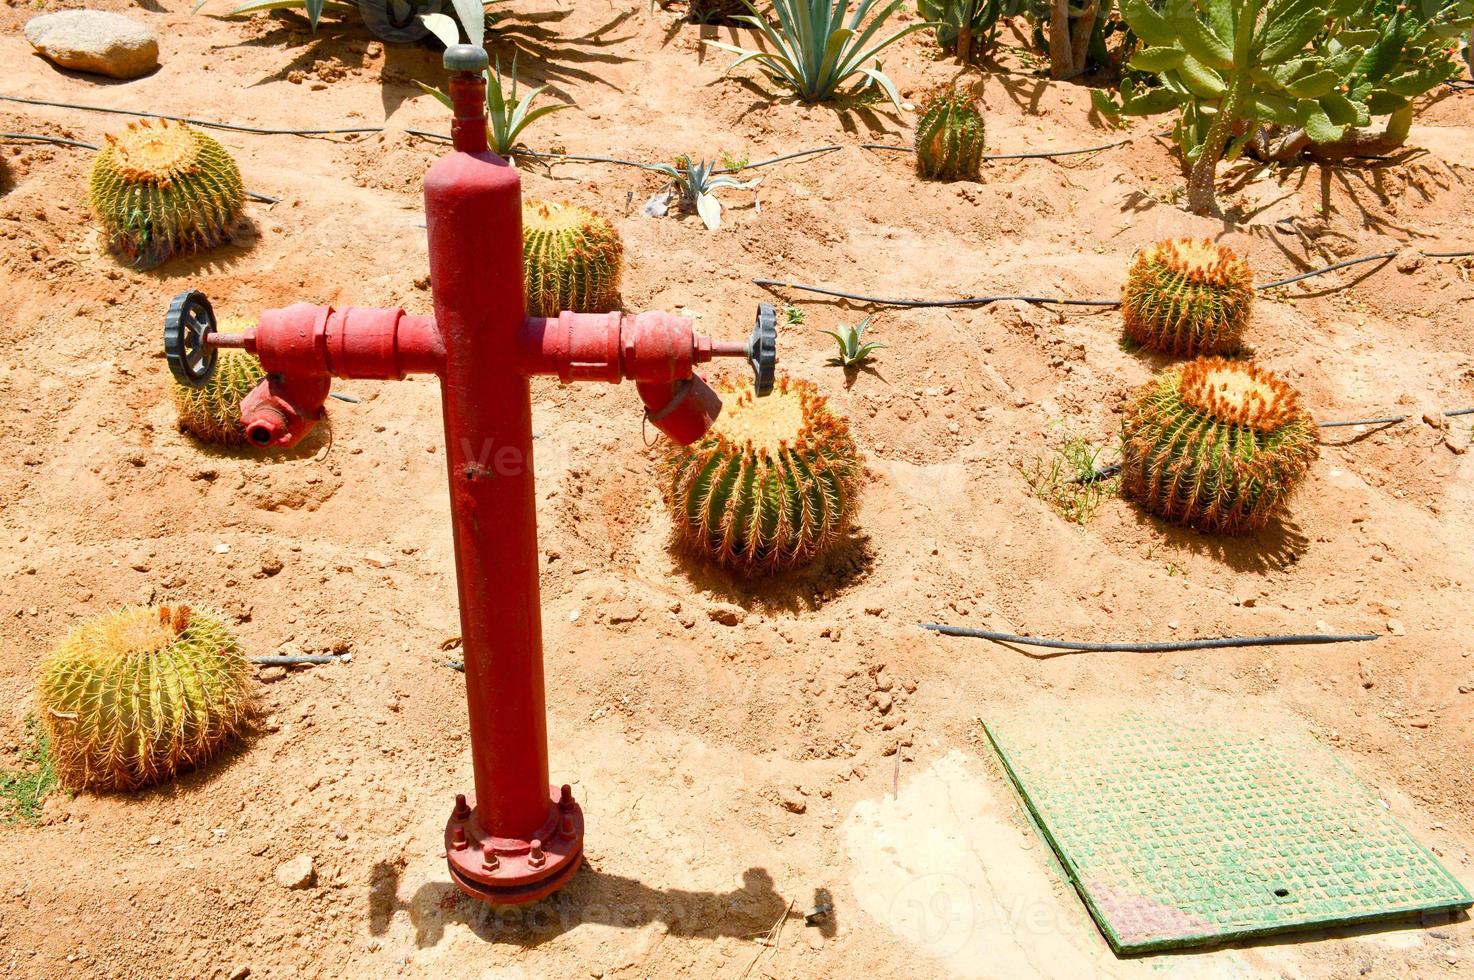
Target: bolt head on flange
<point>505,871</point>
<point>465,57</point>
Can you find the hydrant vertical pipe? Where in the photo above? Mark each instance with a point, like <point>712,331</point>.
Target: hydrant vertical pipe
<point>474,219</point>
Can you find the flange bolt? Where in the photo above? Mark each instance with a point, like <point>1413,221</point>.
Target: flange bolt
<point>535,856</point>
<point>462,809</point>
<point>458,839</point>
<point>489,861</point>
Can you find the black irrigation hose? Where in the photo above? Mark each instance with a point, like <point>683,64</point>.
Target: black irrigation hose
<point>326,658</point>
<point>1106,472</point>
<point>912,303</point>
<point>1038,155</point>
<point>208,124</point>
<point>38,138</point>
<point>1294,639</point>
<point>556,157</point>
<point>1050,301</point>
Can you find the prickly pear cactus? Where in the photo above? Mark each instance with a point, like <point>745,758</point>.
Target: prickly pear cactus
<point>1188,297</point>
<point>1216,445</point>
<point>571,260</point>
<point>949,137</point>
<point>138,695</point>
<point>161,189</point>
<point>213,413</point>
<point>771,486</point>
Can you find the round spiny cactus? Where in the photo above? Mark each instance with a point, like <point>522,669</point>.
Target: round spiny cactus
<point>949,137</point>
<point>138,695</point>
<point>213,413</point>
<point>1216,445</point>
<point>771,486</point>
<point>1188,297</point>
<point>570,260</point>
<point>162,188</point>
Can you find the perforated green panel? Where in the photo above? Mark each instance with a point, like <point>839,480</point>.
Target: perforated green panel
<point>1187,834</point>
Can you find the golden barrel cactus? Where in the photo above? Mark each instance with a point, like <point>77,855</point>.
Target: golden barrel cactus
<point>771,486</point>
<point>162,188</point>
<point>1188,297</point>
<point>138,695</point>
<point>1216,445</point>
<point>212,413</point>
<point>571,260</point>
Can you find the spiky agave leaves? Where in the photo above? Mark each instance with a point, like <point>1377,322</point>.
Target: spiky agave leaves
<point>1216,445</point>
<point>771,486</point>
<point>162,188</point>
<point>138,695</point>
<point>571,260</point>
<point>1188,297</point>
<point>949,137</point>
<point>213,413</point>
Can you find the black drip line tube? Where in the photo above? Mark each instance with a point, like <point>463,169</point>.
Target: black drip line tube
<point>59,141</point>
<point>1085,646</point>
<point>205,123</point>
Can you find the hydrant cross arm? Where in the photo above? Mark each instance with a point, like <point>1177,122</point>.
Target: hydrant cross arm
<point>518,838</point>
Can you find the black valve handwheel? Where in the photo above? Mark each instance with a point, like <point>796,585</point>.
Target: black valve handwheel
<point>188,323</point>
<point>762,349</point>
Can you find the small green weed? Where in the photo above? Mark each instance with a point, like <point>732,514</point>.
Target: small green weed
<point>792,315</point>
<point>1064,479</point>
<point>23,790</point>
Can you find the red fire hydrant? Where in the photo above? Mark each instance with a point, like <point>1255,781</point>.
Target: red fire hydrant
<point>518,838</point>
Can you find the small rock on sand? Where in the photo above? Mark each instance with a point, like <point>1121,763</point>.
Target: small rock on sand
<point>95,41</point>
<point>297,873</point>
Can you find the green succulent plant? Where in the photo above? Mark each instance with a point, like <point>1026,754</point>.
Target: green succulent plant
<point>1284,74</point>
<point>696,183</point>
<point>963,26</point>
<point>212,412</point>
<point>571,260</point>
<point>161,189</point>
<point>771,487</point>
<point>949,137</point>
<point>854,350</point>
<point>817,46</point>
<point>507,116</point>
<point>1188,297</point>
<point>714,11</point>
<point>1216,445</point>
<point>139,695</point>
<point>1073,35</point>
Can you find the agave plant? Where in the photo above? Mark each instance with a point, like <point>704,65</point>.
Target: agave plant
<point>506,115</point>
<point>697,183</point>
<point>815,48</point>
<point>854,350</point>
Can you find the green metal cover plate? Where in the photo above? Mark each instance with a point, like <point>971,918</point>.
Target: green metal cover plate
<point>1180,834</point>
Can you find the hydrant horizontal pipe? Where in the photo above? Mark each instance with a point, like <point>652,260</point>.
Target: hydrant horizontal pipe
<point>374,344</point>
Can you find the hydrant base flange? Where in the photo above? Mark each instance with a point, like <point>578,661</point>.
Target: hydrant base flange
<point>507,871</point>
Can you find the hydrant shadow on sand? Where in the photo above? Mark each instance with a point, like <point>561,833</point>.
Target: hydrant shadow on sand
<point>592,897</point>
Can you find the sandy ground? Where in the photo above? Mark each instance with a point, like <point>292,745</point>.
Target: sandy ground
<point>684,736</point>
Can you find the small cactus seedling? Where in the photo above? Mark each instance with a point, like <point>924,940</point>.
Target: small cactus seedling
<point>138,695</point>
<point>162,188</point>
<point>949,137</point>
<point>771,486</point>
<point>1188,297</point>
<point>570,259</point>
<point>213,413</point>
<point>1216,445</point>
<point>854,350</point>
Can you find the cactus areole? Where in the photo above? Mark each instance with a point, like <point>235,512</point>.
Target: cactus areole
<point>516,838</point>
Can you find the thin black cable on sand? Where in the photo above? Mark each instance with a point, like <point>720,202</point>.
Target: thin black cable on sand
<point>1053,301</point>
<point>206,123</point>
<point>59,141</point>
<point>1036,155</point>
<point>578,158</point>
<point>1084,646</point>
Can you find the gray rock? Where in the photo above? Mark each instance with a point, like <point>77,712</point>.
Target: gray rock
<point>95,41</point>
